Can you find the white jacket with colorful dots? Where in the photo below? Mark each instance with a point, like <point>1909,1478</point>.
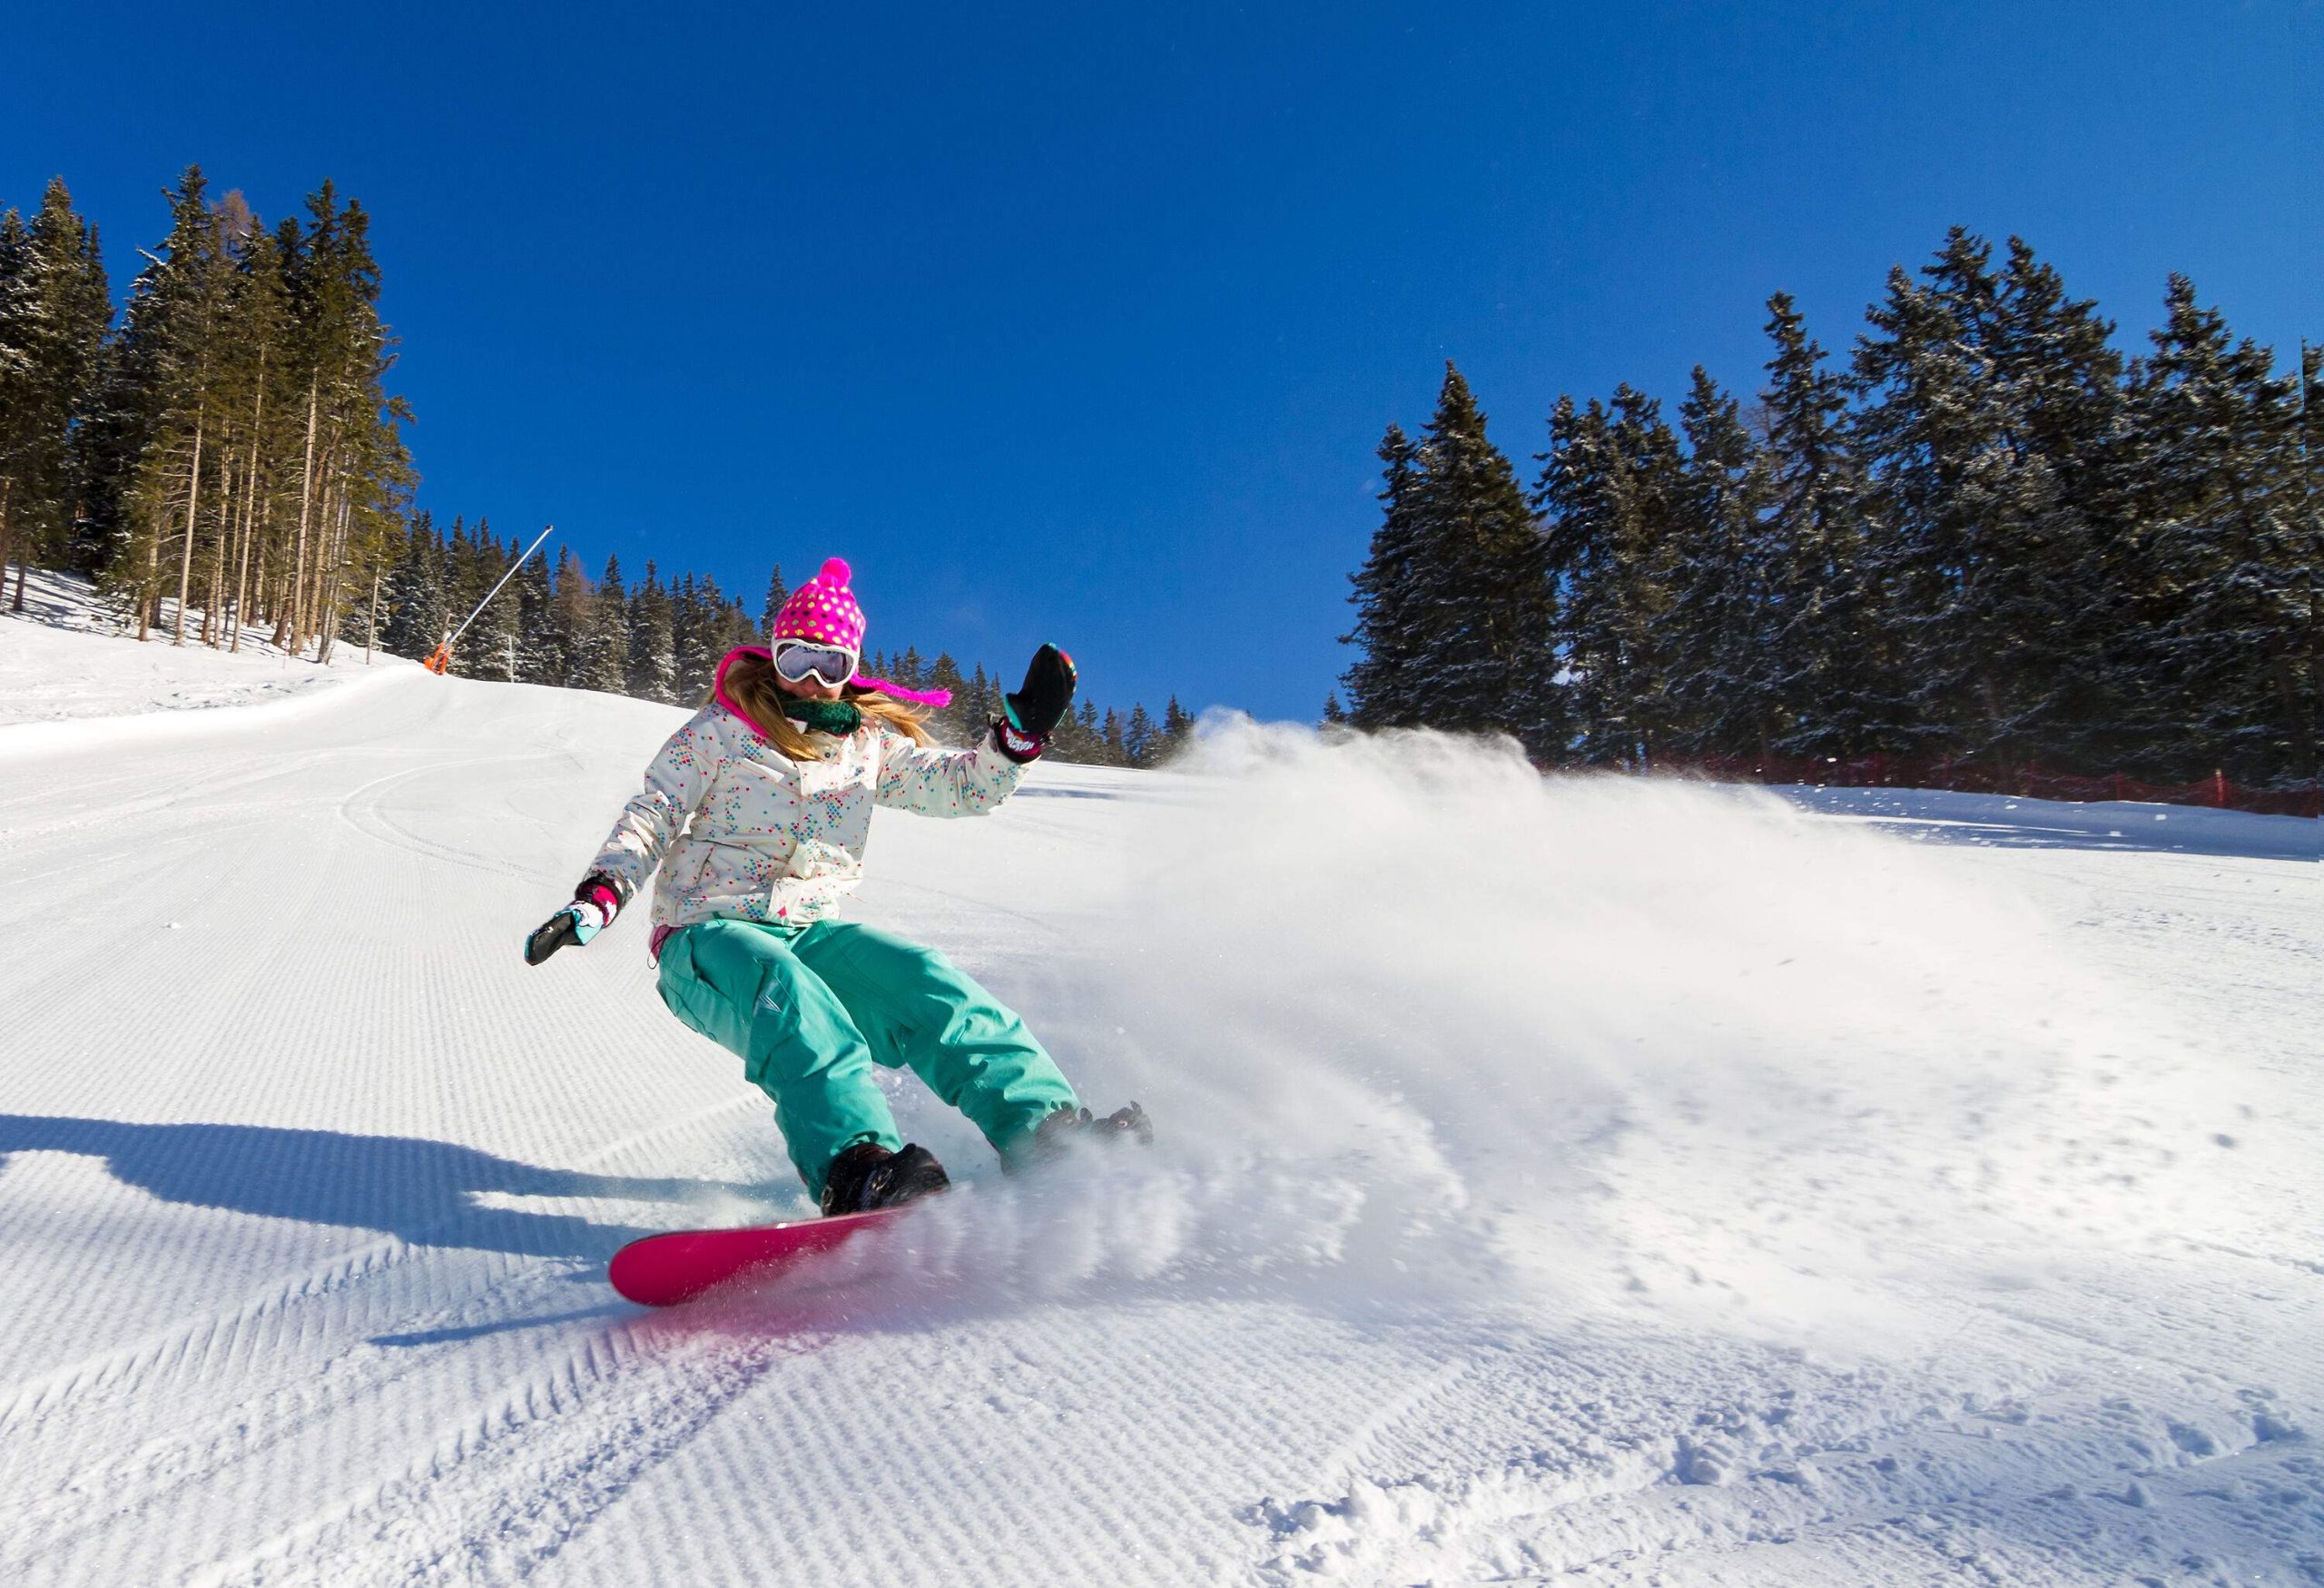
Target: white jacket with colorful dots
<point>740,830</point>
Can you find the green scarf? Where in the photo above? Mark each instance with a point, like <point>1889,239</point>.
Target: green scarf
<point>838,718</point>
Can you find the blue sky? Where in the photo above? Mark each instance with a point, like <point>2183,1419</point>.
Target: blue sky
<point>1082,322</point>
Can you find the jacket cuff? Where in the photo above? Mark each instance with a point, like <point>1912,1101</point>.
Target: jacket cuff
<point>1016,744</point>
<point>605,891</point>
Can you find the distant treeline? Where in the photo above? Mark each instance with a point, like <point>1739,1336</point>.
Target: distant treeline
<point>663,641</point>
<point>229,443</point>
<point>1989,534</point>
<point>227,455</point>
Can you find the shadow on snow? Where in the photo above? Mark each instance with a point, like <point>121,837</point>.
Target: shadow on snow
<point>425,1192</point>
<point>1999,822</point>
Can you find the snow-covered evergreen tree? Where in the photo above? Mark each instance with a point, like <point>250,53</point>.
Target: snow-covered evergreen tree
<point>1177,728</point>
<point>1830,664</point>
<point>1485,610</point>
<point>1723,689</point>
<point>1384,689</point>
<point>1577,494</point>
<point>541,644</point>
<point>601,637</point>
<point>704,625</point>
<point>2228,549</point>
<point>652,672</point>
<point>54,314</point>
<point>1453,607</point>
<point>489,649</point>
<point>1989,566</point>
<point>1612,491</point>
<point>418,610</point>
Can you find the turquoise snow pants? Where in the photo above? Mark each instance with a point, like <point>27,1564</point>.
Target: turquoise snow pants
<point>808,1012</point>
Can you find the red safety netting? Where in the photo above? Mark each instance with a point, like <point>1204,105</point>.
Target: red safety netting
<point>1974,776</point>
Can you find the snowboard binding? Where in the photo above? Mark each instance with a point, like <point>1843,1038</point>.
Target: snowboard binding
<point>1066,1129</point>
<point>868,1176</point>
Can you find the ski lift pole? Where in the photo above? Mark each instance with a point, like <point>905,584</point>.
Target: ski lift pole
<point>442,658</point>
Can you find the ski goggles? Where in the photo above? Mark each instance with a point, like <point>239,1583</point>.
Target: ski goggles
<point>798,660</point>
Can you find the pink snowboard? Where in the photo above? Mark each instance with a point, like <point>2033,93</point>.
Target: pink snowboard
<point>662,1270</point>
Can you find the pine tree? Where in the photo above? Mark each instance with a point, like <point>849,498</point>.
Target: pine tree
<point>353,473</point>
<point>653,659</point>
<point>1987,564</point>
<point>740,628</point>
<point>1177,728</point>
<point>461,588</point>
<point>171,405</point>
<point>1487,610</point>
<point>957,722</point>
<point>575,602</point>
<point>418,612</point>
<point>1723,690</point>
<point>2308,549</point>
<point>979,705</point>
<point>1455,607</point>
<point>1386,687</point>
<point>255,434</point>
<point>55,310</point>
<point>601,634</point>
<point>489,649</point>
<point>1648,534</point>
<point>1577,494</point>
<point>703,627</point>
<point>777,593</point>
<point>541,645</point>
<point>1612,493</point>
<point>2055,361</point>
<point>2228,554</point>
<point>1829,663</point>
<point>1078,737</point>
<point>1140,739</point>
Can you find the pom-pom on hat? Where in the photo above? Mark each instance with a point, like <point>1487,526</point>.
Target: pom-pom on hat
<point>823,610</point>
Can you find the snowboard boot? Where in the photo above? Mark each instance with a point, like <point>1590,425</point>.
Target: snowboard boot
<point>866,1176</point>
<point>1065,1128</point>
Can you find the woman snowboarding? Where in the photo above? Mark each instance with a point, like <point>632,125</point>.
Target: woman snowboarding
<point>756,813</point>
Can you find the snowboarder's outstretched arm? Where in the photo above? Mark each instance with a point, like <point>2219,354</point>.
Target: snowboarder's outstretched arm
<point>970,783</point>
<point>676,782</point>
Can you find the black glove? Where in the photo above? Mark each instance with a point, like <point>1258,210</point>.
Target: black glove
<point>595,904</point>
<point>1029,717</point>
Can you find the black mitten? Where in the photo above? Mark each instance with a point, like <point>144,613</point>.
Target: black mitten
<point>1029,715</point>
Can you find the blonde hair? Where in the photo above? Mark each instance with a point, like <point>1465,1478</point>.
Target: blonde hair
<point>751,684</point>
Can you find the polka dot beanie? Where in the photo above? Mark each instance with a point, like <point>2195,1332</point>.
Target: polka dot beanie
<point>823,610</point>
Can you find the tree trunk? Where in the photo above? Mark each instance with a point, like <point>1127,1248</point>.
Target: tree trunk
<point>148,594</point>
<point>185,559</point>
<point>371,619</point>
<point>213,610</point>
<point>326,580</point>
<point>339,560</point>
<point>293,617</point>
<point>257,582</point>
<point>249,502</point>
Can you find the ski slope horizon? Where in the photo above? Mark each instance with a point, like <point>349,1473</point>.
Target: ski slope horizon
<point>1659,1181</point>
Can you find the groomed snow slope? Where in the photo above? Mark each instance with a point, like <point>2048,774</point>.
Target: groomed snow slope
<point>1662,1184</point>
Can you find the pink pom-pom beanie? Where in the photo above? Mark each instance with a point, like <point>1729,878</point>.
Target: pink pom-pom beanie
<point>823,611</point>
